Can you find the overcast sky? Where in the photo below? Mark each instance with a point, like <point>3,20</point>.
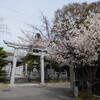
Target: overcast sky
<point>18,12</point>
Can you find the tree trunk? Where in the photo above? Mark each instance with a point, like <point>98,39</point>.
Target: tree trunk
<point>72,79</point>
<point>89,89</point>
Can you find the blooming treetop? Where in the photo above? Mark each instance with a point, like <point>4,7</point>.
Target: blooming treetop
<point>78,44</point>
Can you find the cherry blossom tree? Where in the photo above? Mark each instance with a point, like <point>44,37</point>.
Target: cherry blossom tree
<point>78,46</point>
<point>39,36</point>
<point>76,32</point>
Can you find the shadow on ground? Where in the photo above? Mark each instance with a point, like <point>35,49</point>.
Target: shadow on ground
<point>60,92</point>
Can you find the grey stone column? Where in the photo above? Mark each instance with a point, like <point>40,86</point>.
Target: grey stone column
<point>12,79</point>
<point>42,68</point>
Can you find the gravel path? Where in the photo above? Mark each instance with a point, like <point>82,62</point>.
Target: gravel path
<point>52,92</point>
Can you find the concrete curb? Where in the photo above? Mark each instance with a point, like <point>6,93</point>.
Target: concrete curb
<point>21,85</point>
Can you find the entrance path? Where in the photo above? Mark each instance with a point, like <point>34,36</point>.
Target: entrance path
<point>51,92</point>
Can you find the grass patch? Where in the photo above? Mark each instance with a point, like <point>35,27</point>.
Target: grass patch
<point>57,83</point>
<point>3,84</point>
<point>85,96</point>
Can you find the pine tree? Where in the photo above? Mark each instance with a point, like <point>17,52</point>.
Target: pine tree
<point>3,62</point>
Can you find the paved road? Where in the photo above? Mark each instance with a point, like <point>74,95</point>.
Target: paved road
<point>55,92</point>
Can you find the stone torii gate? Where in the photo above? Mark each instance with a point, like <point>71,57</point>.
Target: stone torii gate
<point>30,50</point>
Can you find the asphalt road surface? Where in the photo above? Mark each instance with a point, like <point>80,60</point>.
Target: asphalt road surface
<point>53,92</point>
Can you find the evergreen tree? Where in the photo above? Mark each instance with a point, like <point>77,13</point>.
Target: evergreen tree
<point>3,62</point>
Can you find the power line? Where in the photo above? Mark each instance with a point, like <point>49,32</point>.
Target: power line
<point>17,12</point>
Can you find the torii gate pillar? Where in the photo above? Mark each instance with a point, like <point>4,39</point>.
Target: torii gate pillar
<point>12,80</point>
<point>42,68</point>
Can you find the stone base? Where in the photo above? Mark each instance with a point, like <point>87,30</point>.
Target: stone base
<point>42,84</point>
<point>30,84</point>
<point>11,85</point>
